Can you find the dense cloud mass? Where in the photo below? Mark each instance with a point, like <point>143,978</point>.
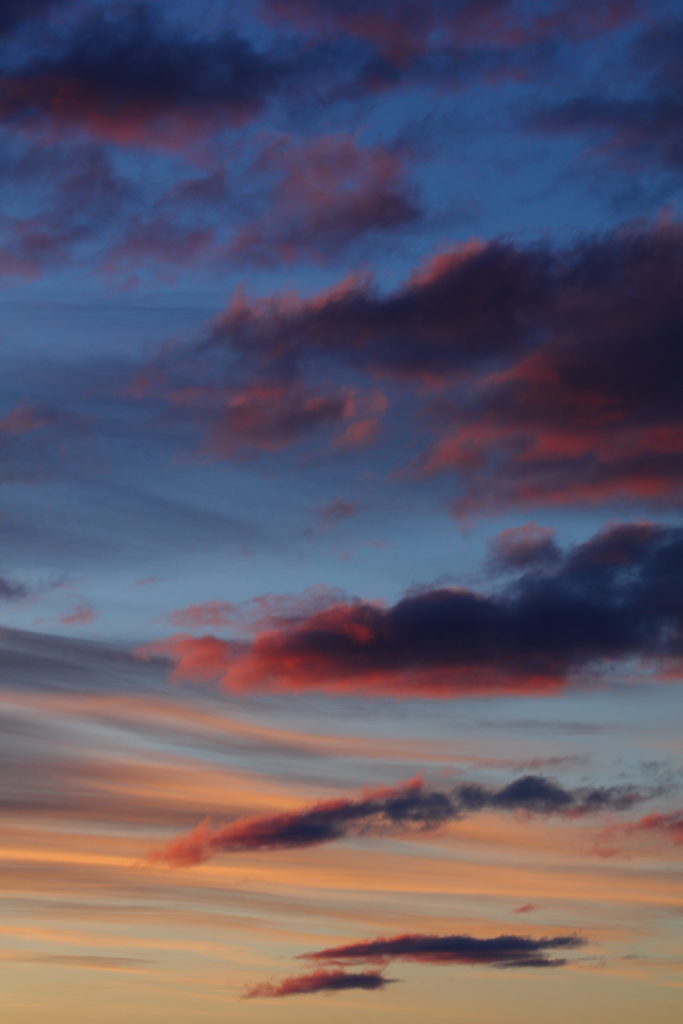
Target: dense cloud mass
<point>319,981</point>
<point>502,951</point>
<point>563,365</point>
<point>121,75</point>
<point>407,807</point>
<point>617,596</point>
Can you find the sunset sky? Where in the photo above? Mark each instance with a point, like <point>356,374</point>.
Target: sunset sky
<point>341,452</point>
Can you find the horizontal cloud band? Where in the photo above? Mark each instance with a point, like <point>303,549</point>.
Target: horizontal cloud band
<point>501,951</point>
<point>409,806</point>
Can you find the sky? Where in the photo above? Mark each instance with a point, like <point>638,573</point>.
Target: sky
<point>341,455</point>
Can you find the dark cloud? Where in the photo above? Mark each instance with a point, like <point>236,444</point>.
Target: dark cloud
<point>407,807</point>
<point>558,368</point>
<point>617,596</point>
<point>15,13</point>
<point>318,981</point>
<point>124,74</point>
<point>12,590</point>
<point>502,951</point>
<point>466,306</point>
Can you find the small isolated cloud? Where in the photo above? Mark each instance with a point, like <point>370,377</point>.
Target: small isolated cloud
<point>80,615</point>
<point>319,981</point>
<point>336,512</point>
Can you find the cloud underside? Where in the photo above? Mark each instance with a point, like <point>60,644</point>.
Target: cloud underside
<point>613,600</point>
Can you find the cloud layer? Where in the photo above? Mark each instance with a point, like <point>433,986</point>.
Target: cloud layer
<point>615,597</point>
<point>404,808</point>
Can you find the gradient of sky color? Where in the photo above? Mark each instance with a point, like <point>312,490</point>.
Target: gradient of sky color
<point>341,454</point>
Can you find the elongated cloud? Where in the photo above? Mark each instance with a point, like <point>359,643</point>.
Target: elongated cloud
<point>318,981</point>
<point>617,596</point>
<point>670,825</point>
<point>268,418</point>
<point>502,951</point>
<point>666,826</point>
<point>449,41</point>
<point>407,807</point>
<point>123,75</point>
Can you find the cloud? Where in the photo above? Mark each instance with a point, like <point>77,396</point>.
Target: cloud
<point>36,440</point>
<point>409,806</point>
<point>15,13</point>
<point>64,207</point>
<point>467,305</point>
<point>318,981</point>
<point>668,825</point>
<point>557,367</point>
<point>503,951</point>
<point>210,613</point>
<point>642,130</point>
<point>336,512</point>
<point>660,825</point>
<point>449,42</point>
<point>615,597</point>
<point>271,418</point>
<point>326,195</point>
<point>81,615</point>
<point>260,612</point>
<point>268,417</point>
<point>523,547</point>
<point>12,590</point>
<point>128,76</point>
